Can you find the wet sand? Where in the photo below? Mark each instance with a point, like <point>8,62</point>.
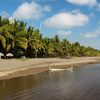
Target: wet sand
<point>21,67</point>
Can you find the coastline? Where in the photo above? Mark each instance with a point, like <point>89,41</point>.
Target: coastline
<point>22,67</point>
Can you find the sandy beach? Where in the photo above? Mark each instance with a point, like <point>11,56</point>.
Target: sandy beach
<point>10,68</point>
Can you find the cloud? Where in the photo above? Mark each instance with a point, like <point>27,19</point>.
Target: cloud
<point>65,20</point>
<point>64,33</point>
<point>83,2</point>
<point>47,8</point>
<point>93,34</point>
<point>98,6</point>
<point>30,11</point>
<point>90,3</point>
<point>89,35</point>
<point>92,15</point>
<point>4,14</point>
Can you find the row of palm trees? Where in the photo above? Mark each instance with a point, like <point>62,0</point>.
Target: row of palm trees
<point>15,38</point>
<point>14,35</point>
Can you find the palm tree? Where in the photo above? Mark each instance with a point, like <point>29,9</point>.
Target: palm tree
<point>48,47</point>
<point>12,35</point>
<point>2,42</point>
<point>18,38</point>
<point>18,34</point>
<point>33,42</point>
<point>5,40</point>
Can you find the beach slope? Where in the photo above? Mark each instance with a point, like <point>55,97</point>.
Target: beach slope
<point>10,68</point>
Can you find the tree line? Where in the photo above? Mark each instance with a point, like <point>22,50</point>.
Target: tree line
<point>20,40</point>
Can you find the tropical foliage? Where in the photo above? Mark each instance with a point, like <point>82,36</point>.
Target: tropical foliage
<point>20,40</point>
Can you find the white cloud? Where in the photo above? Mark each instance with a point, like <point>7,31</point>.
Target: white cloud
<point>92,15</point>
<point>64,33</point>
<point>4,14</point>
<point>65,20</point>
<point>89,35</point>
<point>93,34</point>
<point>98,7</point>
<point>83,2</point>
<point>30,11</point>
<point>47,8</point>
<point>90,3</point>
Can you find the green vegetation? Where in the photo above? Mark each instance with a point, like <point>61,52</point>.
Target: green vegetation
<point>15,38</point>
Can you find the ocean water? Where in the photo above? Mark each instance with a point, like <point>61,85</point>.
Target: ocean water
<point>80,84</point>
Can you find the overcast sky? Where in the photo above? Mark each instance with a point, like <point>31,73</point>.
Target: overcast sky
<point>75,20</point>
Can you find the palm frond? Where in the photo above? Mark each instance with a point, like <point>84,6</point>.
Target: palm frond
<point>3,41</point>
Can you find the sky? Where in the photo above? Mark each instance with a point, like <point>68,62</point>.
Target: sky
<point>75,20</point>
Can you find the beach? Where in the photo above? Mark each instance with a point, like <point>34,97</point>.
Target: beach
<point>10,68</point>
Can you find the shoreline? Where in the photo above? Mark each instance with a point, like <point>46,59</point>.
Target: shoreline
<point>22,67</point>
